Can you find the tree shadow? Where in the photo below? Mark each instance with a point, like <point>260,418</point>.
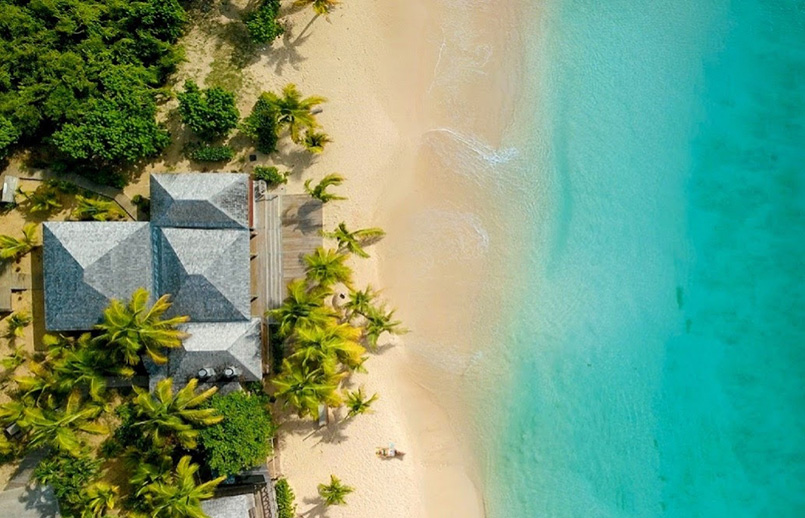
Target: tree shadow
<point>285,54</point>
<point>294,158</point>
<point>317,511</point>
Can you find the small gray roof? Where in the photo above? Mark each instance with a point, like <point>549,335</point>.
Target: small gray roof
<point>229,506</point>
<point>29,502</point>
<point>87,264</point>
<point>206,271</point>
<point>200,200</point>
<point>219,345</point>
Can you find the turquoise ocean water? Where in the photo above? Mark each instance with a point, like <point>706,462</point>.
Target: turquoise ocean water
<point>659,341</point>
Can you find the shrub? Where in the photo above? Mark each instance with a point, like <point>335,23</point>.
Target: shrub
<point>8,135</point>
<point>242,439</point>
<point>143,205</point>
<point>212,154</point>
<point>68,476</point>
<point>209,113</point>
<point>262,124</point>
<point>285,499</point>
<point>270,175</point>
<point>262,23</point>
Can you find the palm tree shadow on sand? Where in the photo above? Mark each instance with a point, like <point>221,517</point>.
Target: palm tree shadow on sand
<point>287,53</point>
<point>317,511</point>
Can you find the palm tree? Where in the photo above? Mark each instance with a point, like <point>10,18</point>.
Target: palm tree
<point>304,388</point>
<point>17,324</point>
<point>316,345</point>
<point>360,302</point>
<point>163,415</point>
<point>6,446</point>
<point>326,267</point>
<point>59,428</point>
<point>95,209</point>
<point>99,498</point>
<point>293,111</point>
<point>321,7</point>
<point>14,248</point>
<point>320,193</point>
<point>43,199</point>
<point>315,142</point>
<point>128,329</point>
<point>14,360</point>
<point>39,382</point>
<point>302,307</point>
<point>180,496</point>
<point>85,367</point>
<point>358,403</point>
<point>335,492</point>
<point>379,322</point>
<point>147,467</point>
<point>355,240</point>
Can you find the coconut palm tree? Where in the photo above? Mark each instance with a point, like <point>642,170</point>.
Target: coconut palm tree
<point>316,345</point>
<point>147,467</point>
<point>358,403</point>
<point>96,209</point>
<point>326,267</point>
<point>14,410</point>
<point>180,496</point>
<point>304,388</point>
<point>303,307</point>
<point>320,193</point>
<point>360,302</point>
<point>378,321</point>
<point>99,498</point>
<point>335,492</point>
<point>14,248</point>
<point>294,111</point>
<point>320,7</point>
<point>315,141</point>
<point>131,328</point>
<point>14,360</point>
<point>17,323</point>
<point>59,428</point>
<point>39,382</point>
<point>354,241</point>
<point>162,415</point>
<point>85,367</point>
<point>44,199</point>
<point>6,446</point>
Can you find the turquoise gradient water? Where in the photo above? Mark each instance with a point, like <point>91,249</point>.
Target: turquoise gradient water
<point>659,345</point>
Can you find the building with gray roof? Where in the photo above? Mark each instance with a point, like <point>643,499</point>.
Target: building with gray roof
<point>200,200</point>
<point>195,249</point>
<point>87,264</point>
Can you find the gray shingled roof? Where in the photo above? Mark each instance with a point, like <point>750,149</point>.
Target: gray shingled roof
<point>200,200</point>
<point>206,271</point>
<point>229,506</point>
<point>218,345</point>
<point>87,264</point>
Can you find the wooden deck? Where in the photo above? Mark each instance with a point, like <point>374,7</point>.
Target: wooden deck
<point>302,224</point>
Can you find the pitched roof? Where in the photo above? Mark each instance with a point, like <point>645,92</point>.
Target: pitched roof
<point>200,200</point>
<point>237,506</point>
<point>206,271</point>
<point>218,345</point>
<point>87,264</point>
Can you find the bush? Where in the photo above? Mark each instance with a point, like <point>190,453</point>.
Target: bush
<point>212,154</point>
<point>67,476</point>
<point>58,59</point>
<point>270,175</point>
<point>209,113</point>
<point>262,124</point>
<point>285,499</point>
<point>242,439</point>
<point>143,205</point>
<point>262,23</point>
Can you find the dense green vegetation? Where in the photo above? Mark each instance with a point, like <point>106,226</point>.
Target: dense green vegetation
<point>270,175</point>
<point>286,508</point>
<point>212,154</point>
<point>262,125</point>
<point>263,25</point>
<point>15,247</point>
<point>210,113</point>
<point>96,209</point>
<point>84,74</point>
<point>243,439</point>
<point>334,493</point>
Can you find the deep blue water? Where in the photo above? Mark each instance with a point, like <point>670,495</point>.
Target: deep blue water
<point>659,346</point>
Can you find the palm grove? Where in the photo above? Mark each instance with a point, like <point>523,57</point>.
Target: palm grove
<point>81,83</point>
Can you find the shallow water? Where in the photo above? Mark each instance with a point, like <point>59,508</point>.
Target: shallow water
<point>657,347</point>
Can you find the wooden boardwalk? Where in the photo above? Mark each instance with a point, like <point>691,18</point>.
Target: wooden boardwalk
<point>302,223</point>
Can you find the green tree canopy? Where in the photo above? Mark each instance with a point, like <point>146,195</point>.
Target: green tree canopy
<point>243,439</point>
<point>262,23</point>
<point>262,124</point>
<point>210,113</point>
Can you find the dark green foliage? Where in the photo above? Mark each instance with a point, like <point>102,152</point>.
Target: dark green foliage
<point>210,113</point>
<point>262,125</point>
<point>285,499</point>
<point>262,23</point>
<point>84,74</point>
<point>242,439</point>
<point>68,476</point>
<point>8,135</point>
<point>212,154</point>
<point>143,205</point>
<point>63,186</point>
<point>269,175</point>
